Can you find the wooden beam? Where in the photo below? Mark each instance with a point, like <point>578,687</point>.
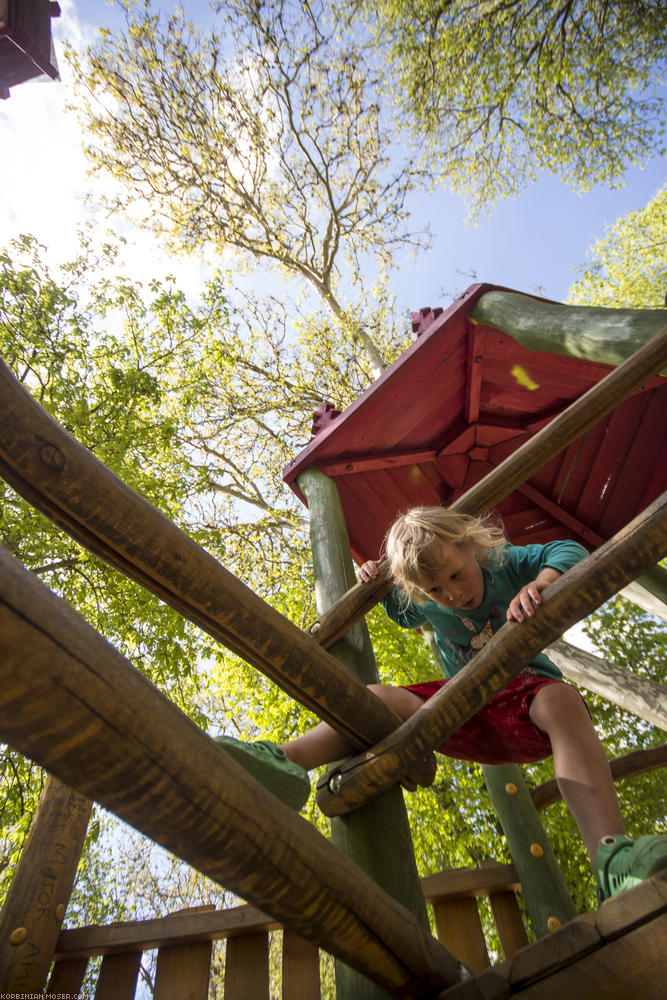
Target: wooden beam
<point>81,710</point>
<point>637,762</point>
<point>462,882</point>
<point>574,524</point>
<point>184,927</point>
<point>61,477</point>
<point>378,460</point>
<point>579,417</point>
<point>642,696</point>
<point>574,595</point>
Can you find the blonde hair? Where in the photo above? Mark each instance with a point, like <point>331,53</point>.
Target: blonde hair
<point>414,542</point>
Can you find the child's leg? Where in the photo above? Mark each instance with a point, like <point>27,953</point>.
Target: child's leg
<point>322,745</point>
<point>581,766</point>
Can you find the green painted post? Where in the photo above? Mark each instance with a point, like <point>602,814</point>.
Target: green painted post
<point>543,886</point>
<point>377,837</point>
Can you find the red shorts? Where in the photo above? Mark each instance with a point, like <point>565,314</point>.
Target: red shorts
<point>502,732</point>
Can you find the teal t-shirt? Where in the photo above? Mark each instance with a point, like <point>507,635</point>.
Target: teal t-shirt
<point>459,634</point>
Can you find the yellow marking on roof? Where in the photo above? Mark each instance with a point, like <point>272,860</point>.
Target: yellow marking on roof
<point>523,378</point>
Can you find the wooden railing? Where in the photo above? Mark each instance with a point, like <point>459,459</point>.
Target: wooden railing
<point>185,940</point>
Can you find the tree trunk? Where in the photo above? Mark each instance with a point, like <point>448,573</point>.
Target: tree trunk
<point>639,695</point>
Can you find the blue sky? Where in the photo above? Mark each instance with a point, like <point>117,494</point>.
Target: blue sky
<point>532,242</point>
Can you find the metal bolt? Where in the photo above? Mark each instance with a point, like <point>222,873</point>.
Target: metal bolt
<point>335,782</point>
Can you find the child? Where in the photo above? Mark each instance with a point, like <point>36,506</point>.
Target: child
<point>459,574</point>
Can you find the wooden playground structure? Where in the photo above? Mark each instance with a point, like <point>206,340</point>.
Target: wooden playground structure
<point>72,703</point>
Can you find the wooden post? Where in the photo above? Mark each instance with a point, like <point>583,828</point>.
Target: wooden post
<point>377,836</point>
<point>38,895</point>
<point>543,886</point>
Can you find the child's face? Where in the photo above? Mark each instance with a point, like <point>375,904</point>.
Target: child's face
<point>459,583</point>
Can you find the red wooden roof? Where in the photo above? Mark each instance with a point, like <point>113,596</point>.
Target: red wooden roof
<point>454,405</point>
<point>26,48</point>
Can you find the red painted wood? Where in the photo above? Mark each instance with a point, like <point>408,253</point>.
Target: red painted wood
<point>470,395</point>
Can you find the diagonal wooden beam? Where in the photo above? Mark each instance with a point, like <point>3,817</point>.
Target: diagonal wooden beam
<point>579,417</point>
<point>71,702</point>
<point>574,595</point>
<point>61,477</point>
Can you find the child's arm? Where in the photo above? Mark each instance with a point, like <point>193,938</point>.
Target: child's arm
<point>522,606</point>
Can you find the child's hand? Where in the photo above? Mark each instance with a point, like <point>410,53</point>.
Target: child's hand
<point>368,571</point>
<point>523,605</point>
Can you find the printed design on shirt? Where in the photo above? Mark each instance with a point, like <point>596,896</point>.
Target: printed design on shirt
<point>480,637</point>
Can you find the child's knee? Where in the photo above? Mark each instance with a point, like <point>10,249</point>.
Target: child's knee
<point>558,702</point>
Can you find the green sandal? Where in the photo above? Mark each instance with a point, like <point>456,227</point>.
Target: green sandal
<point>269,764</point>
<point>622,863</point>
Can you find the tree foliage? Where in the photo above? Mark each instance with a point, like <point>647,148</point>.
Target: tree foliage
<point>501,90</point>
<point>627,266</point>
<point>264,136</point>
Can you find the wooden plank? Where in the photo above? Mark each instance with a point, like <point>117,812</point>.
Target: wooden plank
<point>491,984</point>
<point>471,882</point>
<point>118,977</point>
<point>247,967</point>
<point>126,746</point>
<point>570,598</point>
<point>630,966</point>
<point>183,972</point>
<point>611,457</point>
<point>476,352</point>
<point>509,922</point>
<point>377,460</point>
<point>577,938</point>
<point>649,455</point>
<point>175,928</point>
<point>536,452</point>
<point>37,897</point>
<point>412,483</point>
<point>635,906</point>
<point>67,977</point>
<point>301,968</point>
<point>460,931</point>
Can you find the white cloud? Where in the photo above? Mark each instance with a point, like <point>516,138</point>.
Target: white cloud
<point>44,181</point>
